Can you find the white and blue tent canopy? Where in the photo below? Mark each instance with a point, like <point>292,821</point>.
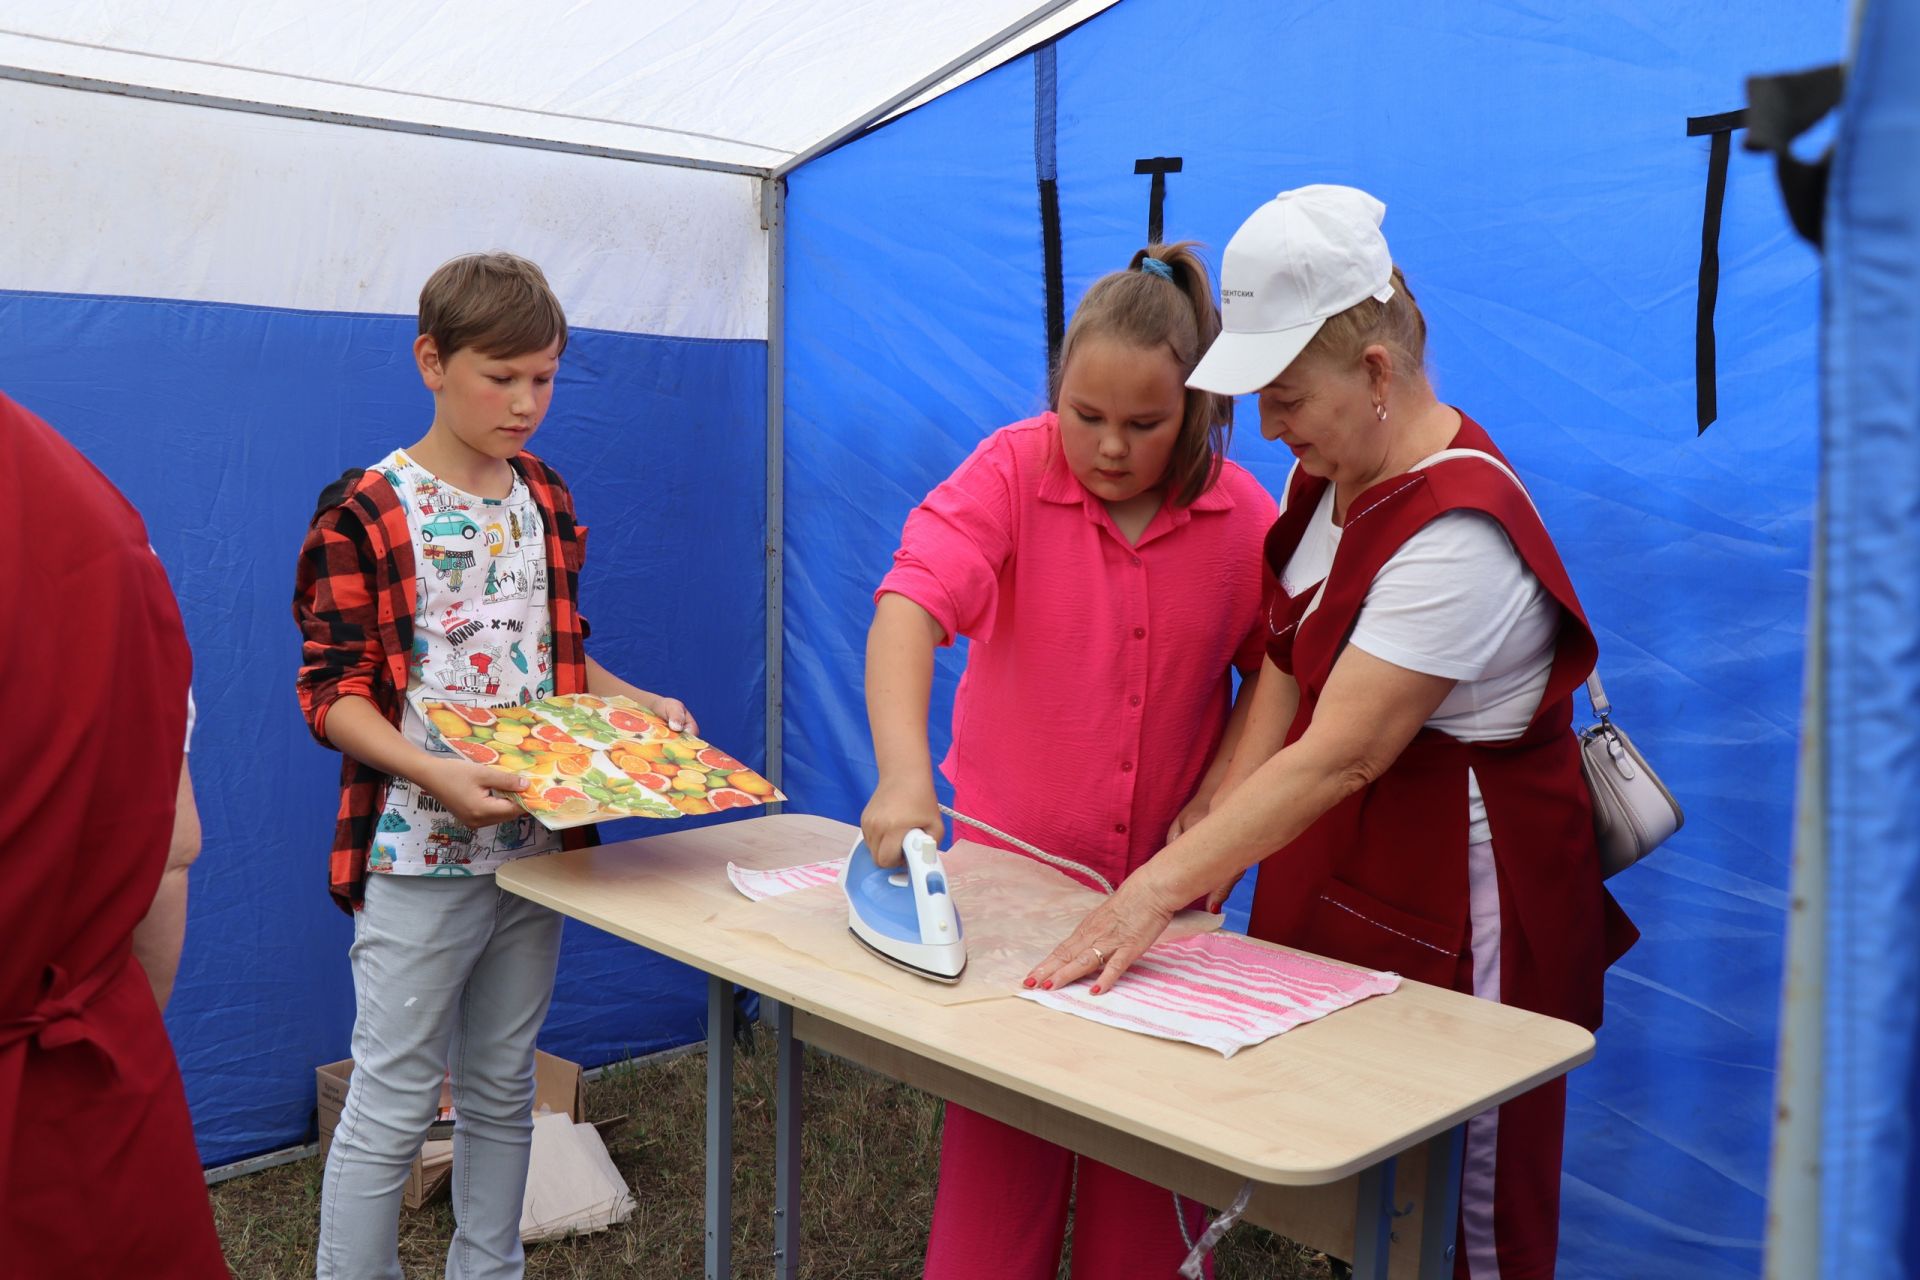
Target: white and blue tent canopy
<point>697,93</point>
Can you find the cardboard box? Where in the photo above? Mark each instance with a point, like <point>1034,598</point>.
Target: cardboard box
<point>557,1087</point>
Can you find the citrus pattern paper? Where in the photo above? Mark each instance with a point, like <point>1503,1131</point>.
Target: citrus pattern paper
<point>588,759</point>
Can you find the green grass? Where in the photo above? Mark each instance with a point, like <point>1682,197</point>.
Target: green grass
<point>869,1160</point>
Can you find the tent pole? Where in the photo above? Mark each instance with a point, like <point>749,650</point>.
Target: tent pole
<point>1033,19</point>
<point>773,217</point>
<point>1795,1218</point>
<point>27,75</point>
<point>1793,1193</point>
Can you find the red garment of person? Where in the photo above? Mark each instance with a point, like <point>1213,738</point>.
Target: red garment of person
<point>1382,879</point>
<point>99,1175</point>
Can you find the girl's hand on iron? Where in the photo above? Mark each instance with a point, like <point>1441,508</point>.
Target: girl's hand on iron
<point>1109,939</point>
<point>895,809</point>
<point>468,791</point>
<point>675,713</point>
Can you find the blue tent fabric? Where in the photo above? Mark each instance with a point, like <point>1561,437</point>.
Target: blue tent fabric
<point>222,423</point>
<point>1870,1161</point>
<point>1546,203</point>
<point>914,294</point>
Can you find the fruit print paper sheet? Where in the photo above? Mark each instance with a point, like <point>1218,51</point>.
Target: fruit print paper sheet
<point>589,759</point>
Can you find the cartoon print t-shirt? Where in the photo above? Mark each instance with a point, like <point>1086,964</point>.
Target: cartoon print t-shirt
<point>482,637</point>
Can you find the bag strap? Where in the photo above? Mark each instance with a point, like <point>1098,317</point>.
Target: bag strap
<point>1596,692</point>
<point>1597,695</point>
<point>1448,455</point>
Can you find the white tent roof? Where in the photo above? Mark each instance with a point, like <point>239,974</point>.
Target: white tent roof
<point>752,85</point>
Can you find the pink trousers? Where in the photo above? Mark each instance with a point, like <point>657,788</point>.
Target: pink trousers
<point>1001,1211</point>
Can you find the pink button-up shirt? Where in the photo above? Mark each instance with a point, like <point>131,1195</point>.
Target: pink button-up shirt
<point>1097,685</point>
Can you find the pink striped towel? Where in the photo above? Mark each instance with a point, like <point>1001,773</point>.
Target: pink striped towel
<point>1221,991</point>
<point>771,884</point>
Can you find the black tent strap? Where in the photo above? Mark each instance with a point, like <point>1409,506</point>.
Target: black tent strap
<point>1779,109</point>
<point>1721,123</point>
<point>1159,167</point>
<point>1046,176</point>
<point>1050,251</point>
<point>1720,127</point>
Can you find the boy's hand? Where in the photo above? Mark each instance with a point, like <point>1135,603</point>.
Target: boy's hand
<point>675,713</point>
<point>467,789</point>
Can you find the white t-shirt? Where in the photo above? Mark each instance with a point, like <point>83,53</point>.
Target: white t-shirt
<point>481,637</point>
<point>1455,601</point>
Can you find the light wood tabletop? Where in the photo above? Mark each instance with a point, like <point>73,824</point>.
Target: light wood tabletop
<point>1312,1107</point>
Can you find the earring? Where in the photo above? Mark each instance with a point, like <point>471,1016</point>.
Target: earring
<point>1380,412</point>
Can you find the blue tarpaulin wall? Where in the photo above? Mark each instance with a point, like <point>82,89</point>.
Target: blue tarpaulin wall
<point>1870,1161</point>
<point>222,423</point>
<point>1546,203</point>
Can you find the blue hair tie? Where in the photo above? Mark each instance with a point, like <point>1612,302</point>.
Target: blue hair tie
<point>1155,267</point>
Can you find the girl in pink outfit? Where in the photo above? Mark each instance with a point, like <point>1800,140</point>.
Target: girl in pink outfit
<point>1104,561</point>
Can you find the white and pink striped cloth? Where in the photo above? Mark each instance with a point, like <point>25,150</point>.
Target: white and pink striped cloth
<point>1219,990</point>
<point>771,884</point>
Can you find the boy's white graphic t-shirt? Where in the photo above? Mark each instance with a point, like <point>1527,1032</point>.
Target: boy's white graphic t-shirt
<point>482,636</point>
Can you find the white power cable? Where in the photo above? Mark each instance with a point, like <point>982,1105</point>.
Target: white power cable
<point>1197,1250</point>
<point>1065,864</point>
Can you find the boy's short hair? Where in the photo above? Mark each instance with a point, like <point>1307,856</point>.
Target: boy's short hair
<point>497,303</point>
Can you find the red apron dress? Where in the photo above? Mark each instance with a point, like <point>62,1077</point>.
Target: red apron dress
<point>99,1175</point>
<point>1384,878</point>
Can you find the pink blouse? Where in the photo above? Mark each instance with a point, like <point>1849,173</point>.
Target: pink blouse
<point>1097,683</point>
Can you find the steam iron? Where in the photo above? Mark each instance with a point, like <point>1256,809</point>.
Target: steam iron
<point>906,915</point>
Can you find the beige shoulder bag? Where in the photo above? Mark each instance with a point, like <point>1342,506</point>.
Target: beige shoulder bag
<point>1633,812</point>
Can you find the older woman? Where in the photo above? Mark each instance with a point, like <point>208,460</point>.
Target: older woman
<point>98,1171</point>
<point>1409,753</point>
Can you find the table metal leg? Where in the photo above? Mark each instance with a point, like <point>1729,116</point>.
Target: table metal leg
<point>719,1129</point>
<point>1440,1215</point>
<point>1373,1223</point>
<point>786,1145</point>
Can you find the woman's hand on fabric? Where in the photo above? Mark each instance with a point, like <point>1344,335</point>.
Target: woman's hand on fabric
<point>1108,940</point>
<point>895,809</point>
<point>469,790</point>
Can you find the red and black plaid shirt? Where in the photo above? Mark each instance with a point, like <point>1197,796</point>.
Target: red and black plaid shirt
<point>355,599</point>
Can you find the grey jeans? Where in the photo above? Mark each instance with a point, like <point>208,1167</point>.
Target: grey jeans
<point>446,972</point>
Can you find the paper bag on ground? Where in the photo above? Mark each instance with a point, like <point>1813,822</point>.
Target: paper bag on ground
<point>572,1186</point>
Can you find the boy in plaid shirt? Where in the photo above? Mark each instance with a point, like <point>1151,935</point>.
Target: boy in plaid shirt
<point>450,571</point>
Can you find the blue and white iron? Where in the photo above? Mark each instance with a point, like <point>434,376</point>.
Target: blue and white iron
<point>906,915</point>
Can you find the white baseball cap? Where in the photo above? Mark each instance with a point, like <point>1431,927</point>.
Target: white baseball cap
<point>1304,255</point>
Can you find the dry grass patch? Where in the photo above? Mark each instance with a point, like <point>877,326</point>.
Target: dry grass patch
<point>869,1158</point>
